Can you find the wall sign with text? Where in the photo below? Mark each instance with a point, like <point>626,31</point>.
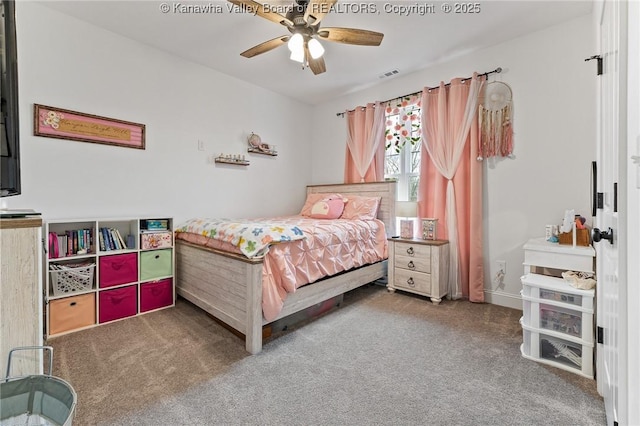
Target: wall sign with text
<point>60,123</point>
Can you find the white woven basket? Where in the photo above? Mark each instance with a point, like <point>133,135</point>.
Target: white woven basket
<point>72,279</point>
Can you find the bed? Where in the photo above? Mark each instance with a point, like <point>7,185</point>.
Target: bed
<point>229,285</point>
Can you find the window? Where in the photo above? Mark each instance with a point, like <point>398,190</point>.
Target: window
<point>402,137</point>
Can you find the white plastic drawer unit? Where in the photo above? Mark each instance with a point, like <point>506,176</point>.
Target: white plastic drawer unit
<point>556,291</point>
<point>557,320</point>
<point>541,253</point>
<point>568,354</point>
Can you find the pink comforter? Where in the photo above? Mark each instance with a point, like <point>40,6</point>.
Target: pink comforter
<point>330,247</point>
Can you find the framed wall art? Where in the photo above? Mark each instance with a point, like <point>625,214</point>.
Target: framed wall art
<point>61,123</point>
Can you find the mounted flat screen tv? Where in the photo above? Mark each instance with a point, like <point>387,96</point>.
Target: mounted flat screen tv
<point>10,145</point>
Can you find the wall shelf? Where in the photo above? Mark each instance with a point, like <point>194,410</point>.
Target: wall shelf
<point>231,161</point>
<point>263,151</point>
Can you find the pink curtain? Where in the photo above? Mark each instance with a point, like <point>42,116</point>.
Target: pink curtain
<point>364,160</point>
<point>451,180</point>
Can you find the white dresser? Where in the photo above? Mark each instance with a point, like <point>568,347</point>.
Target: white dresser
<point>558,319</point>
<point>21,293</point>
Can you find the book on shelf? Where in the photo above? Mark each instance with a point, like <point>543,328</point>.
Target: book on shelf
<point>88,239</point>
<point>80,240</point>
<point>114,238</point>
<point>108,244</point>
<point>69,243</point>
<point>111,239</point>
<point>62,245</point>
<point>101,241</point>
<point>123,244</point>
<point>112,246</point>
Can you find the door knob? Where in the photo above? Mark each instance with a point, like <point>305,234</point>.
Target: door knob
<point>599,235</point>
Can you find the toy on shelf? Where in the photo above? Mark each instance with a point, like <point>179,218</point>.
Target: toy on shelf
<point>256,146</point>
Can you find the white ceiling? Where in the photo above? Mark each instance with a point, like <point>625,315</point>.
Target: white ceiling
<point>411,42</point>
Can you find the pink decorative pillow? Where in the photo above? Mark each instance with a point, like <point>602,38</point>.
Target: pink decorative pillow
<point>361,208</point>
<point>327,209</point>
<point>314,198</point>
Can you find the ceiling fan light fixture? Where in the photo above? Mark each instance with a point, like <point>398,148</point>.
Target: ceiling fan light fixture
<point>295,43</point>
<point>303,21</point>
<point>315,48</point>
<point>297,55</point>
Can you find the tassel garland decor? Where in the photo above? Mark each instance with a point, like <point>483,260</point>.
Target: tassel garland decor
<point>496,132</point>
<point>495,118</point>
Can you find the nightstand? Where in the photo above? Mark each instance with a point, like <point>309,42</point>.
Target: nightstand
<point>419,266</point>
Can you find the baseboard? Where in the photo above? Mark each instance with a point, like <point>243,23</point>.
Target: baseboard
<point>500,298</point>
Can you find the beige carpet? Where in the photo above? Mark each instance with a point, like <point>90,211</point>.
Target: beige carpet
<point>122,371</point>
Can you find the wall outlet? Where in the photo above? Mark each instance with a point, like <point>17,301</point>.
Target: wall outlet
<point>501,265</point>
<point>200,145</point>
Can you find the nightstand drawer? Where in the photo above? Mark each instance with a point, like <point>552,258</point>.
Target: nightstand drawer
<point>412,280</point>
<point>414,251</point>
<point>419,264</point>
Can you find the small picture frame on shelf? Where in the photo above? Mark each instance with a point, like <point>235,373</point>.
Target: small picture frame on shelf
<point>429,229</point>
<point>406,229</point>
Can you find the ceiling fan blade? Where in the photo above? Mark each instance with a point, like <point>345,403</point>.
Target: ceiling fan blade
<point>265,46</point>
<point>259,9</point>
<point>317,65</point>
<point>351,36</point>
<point>316,10</point>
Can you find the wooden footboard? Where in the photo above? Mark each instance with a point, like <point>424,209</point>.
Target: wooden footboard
<point>229,286</point>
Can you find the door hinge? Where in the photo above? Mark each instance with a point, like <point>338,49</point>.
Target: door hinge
<point>600,334</point>
<point>615,197</point>
<point>598,58</point>
<point>600,200</point>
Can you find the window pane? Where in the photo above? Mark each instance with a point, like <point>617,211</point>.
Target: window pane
<point>402,156</point>
<point>413,188</point>
<point>415,161</point>
<point>392,165</point>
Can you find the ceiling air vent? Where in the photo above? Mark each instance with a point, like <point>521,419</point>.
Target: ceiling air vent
<point>389,74</point>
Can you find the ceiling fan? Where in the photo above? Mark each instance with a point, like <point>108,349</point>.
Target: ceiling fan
<point>303,19</point>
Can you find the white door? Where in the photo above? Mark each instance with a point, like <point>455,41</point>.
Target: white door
<point>632,213</point>
<point>610,315</point>
<point>618,298</point>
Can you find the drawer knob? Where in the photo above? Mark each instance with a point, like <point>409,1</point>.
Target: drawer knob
<point>410,251</point>
<point>410,265</point>
<point>410,282</point>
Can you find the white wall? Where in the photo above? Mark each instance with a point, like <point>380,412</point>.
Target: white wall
<point>67,63</point>
<point>70,64</point>
<point>555,132</point>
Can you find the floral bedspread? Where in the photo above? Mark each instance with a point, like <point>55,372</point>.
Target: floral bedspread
<point>252,237</point>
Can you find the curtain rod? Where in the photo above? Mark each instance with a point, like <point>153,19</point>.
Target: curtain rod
<point>485,74</point>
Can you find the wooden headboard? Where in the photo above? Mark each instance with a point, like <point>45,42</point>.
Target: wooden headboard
<point>385,190</point>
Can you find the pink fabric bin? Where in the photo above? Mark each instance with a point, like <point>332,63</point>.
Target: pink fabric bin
<point>118,269</point>
<point>118,303</point>
<point>155,295</point>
